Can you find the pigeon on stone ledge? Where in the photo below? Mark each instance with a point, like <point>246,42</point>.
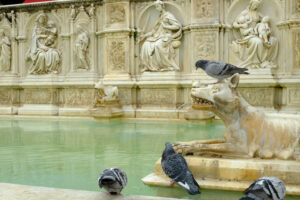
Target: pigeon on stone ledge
<point>113,180</point>
<point>265,188</point>
<point>219,70</point>
<point>175,167</point>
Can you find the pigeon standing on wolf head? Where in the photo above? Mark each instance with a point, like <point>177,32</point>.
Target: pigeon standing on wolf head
<point>219,70</point>
<point>113,180</point>
<point>175,167</point>
<point>265,188</point>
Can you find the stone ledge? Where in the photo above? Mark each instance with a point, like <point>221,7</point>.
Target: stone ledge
<point>157,180</point>
<point>24,192</point>
<point>233,174</point>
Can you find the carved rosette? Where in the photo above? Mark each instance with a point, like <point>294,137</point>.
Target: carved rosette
<point>297,50</point>
<point>116,54</point>
<point>205,46</point>
<point>204,8</point>
<point>115,14</point>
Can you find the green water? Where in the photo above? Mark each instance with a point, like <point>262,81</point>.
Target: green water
<point>70,153</point>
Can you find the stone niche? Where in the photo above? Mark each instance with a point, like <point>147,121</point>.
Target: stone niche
<point>53,53</point>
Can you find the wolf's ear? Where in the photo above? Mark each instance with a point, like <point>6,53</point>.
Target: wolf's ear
<point>234,80</point>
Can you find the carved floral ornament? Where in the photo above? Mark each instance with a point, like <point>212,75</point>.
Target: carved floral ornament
<point>254,42</point>
<point>205,45</point>
<point>117,54</point>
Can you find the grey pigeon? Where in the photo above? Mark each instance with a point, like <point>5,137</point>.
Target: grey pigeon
<point>219,70</point>
<point>113,180</point>
<point>265,188</point>
<point>175,167</point>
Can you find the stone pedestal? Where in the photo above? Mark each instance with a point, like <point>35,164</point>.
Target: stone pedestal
<point>109,109</point>
<point>237,174</point>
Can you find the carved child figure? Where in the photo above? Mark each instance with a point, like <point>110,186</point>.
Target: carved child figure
<point>51,31</point>
<point>263,29</point>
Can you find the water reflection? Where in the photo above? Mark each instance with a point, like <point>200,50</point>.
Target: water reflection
<point>71,153</point>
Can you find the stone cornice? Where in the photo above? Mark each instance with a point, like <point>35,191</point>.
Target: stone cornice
<point>48,5</point>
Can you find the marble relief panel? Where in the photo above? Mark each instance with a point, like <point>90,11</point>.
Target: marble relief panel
<point>164,96</point>
<point>204,8</point>
<point>5,96</point>
<point>117,54</point>
<point>43,55</point>
<point>205,45</point>
<point>294,96</point>
<point>39,96</point>
<point>77,97</point>
<point>116,14</point>
<point>297,49</point>
<point>258,96</point>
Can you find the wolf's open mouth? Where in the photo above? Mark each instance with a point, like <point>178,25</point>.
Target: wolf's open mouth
<point>198,100</point>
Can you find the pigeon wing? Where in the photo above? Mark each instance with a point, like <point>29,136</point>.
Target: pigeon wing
<point>174,165</point>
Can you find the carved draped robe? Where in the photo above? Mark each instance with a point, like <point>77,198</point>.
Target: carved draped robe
<point>5,54</point>
<point>158,51</point>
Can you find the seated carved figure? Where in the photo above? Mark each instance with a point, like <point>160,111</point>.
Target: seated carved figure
<point>249,132</point>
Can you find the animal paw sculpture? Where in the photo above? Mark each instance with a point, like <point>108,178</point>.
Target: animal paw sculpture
<point>249,132</point>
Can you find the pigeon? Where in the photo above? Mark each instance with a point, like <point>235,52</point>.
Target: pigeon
<point>175,167</point>
<point>113,180</point>
<point>219,70</point>
<point>265,188</point>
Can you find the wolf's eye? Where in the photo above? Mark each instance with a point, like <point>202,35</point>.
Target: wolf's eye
<point>215,89</point>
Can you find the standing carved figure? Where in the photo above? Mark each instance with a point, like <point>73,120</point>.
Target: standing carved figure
<point>81,47</point>
<point>158,51</point>
<point>260,52</point>
<point>43,55</point>
<point>5,52</point>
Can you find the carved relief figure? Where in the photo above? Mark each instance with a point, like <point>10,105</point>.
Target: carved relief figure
<point>5,52</point>
<point>158,50</point>
<point>43,55</point>
<point>255,37</point>
<point>204,8</point>
<point>81,48</point>
<point>92,10</point>
<point>117,55</point>
<point>263,29</point>
<point>116,14</point>
<point>106,93</point>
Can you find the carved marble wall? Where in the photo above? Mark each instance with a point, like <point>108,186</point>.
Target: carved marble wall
<point>53,53</point>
